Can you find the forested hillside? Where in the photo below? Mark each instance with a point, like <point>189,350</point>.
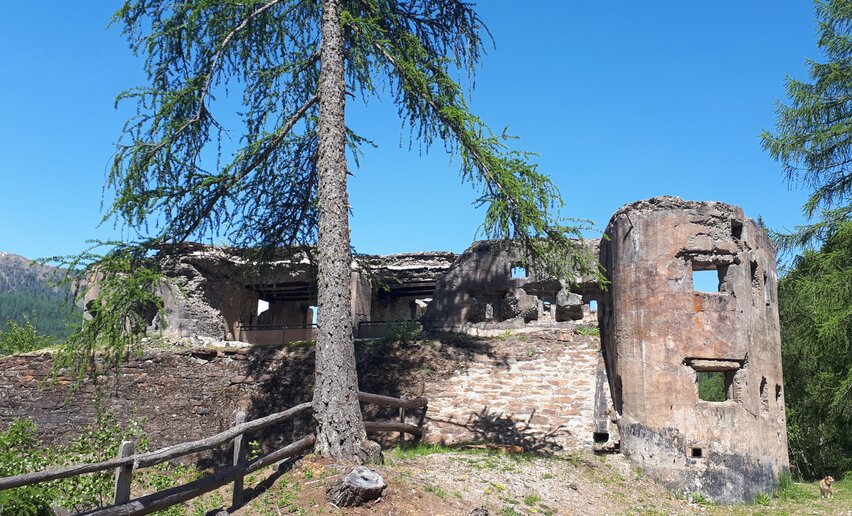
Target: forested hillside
<point>25,290</point>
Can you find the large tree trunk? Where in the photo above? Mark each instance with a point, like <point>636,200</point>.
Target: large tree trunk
<point>340,431</point>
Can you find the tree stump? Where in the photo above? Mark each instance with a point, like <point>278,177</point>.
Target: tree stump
<point>356,488</point>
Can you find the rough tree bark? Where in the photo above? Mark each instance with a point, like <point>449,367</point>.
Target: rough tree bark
<point>340,430</point>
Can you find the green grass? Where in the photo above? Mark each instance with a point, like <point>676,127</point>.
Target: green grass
<point>700,499</point>
<point>412,451</point>
<point>438,491</point>
<point>763,499</point>
<point>531,500</point>
<point>587,330</point>
<point>795,498</point>
<point>790,491</point>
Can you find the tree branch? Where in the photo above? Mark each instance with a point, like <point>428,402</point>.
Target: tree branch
<point>223,187</point>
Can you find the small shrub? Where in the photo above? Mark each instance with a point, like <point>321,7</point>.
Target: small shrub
<point>531,500</point>
<point>22,452</point>
<point>763,499</point>
<point>700,499</point>
<point>503,336</point>
<point>587,330</point>
<point>790,491</point>
<point>404,332</point>
<point>438,491</point>
<point>22,338</point>
<point>254,450</point>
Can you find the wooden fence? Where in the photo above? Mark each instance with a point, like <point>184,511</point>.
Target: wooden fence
<point>127,462</point>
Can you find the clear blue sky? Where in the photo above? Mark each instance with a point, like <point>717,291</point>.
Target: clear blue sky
<point>621,101</point>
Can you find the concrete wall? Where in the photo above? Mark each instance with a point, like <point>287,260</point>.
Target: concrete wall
<point>659,333</point>
<point>478,295</point>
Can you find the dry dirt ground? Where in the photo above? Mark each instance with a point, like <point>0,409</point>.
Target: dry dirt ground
<point>457,482</point>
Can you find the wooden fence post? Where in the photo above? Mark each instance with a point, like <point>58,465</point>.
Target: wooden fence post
<point>237,498</point>
<point>123,474</point>
<point>402,420</point>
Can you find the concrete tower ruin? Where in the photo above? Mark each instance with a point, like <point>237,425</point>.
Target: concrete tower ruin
<point>661,336</point>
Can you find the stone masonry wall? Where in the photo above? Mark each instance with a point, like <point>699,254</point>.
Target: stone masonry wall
<point>536,390</point>
<point>541,396</point>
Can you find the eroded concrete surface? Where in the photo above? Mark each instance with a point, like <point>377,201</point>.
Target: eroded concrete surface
<point>659,333</point>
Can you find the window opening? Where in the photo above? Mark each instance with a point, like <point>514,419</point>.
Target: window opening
<point>262,306</point>
<point>600,437</point>
<point>593,306</point>
<point>545,306</point>
<point>313,314</point>
<point>766,288</point>
<point>777,393</point>
<point>713,385</point>
<point>736,229</point>
<point>697,453</point>
<point>764,396</point>
<point>519,271</point>
<point>706,280</point>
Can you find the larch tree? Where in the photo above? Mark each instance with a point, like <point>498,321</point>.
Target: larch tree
<point>288,67</point>
<point>813,143</point>
<point>813,134</point>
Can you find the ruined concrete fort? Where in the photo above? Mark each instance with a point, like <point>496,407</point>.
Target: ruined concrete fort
<point>511,356</point>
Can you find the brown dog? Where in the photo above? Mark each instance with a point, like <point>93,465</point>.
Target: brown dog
<point>825,487</point>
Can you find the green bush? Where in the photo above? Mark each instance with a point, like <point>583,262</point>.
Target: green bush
<point>22,452</point>
<point>587,331</point>
<point>404,332</point>
<point>711,386</point>
<point>22,337</point>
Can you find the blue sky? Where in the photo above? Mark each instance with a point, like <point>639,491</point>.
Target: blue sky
<point>620,100</point>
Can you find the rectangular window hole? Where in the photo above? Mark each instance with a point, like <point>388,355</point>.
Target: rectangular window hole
<point>545,306</point>
<point>706,280</point>
<point>697,453</point>
<point>600,437</point>
<point>519,271</point>
<point>714,385</point>
<point>593,306</point>
<point>736,229</point>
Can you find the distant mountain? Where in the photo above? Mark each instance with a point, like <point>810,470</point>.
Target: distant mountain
<point>26,288</point>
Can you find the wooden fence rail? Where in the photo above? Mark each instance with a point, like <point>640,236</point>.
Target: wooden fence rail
<point>165,499</point>
<point>127,462</point>
<point>144,460</point>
